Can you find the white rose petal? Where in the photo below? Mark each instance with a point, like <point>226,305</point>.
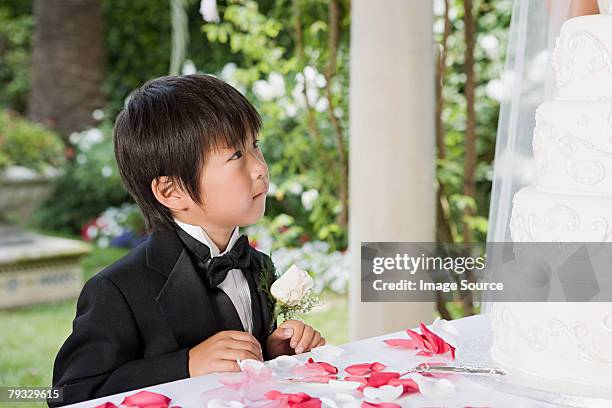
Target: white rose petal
<point>433,387</point>
<point>284,362</point>
<point>327,352</point>
<point>386,393</point>
<point>292,286</point>
<point>256,365</point>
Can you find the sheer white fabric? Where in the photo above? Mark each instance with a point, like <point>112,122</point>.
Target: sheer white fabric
<point>529,80</point>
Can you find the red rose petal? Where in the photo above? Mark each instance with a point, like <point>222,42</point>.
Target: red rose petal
<point>146,399</point>
<point>409,385</point>
<point>106,405</point>
<point>378,379</point>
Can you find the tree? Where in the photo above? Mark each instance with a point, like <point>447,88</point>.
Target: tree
<point>67,64</point>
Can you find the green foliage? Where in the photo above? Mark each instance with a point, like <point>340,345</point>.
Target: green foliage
<point>492,19</point>
<point>15,44</point>
<point>90,184</point>
<point>27,144</point>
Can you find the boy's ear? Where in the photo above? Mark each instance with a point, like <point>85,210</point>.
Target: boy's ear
<point>169,193</point>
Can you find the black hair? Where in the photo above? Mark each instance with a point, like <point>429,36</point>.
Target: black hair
<point>168,127</point>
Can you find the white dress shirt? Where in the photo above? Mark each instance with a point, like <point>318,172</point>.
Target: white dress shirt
<point>235,284</point>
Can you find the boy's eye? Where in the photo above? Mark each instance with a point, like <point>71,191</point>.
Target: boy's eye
<point>256,143</point>
<point>236,155</point>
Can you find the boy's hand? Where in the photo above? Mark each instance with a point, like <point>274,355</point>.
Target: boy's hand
<point>219,353</point>
<point>293,337</point>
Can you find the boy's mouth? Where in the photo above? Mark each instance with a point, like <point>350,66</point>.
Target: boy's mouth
<point>261,193</point>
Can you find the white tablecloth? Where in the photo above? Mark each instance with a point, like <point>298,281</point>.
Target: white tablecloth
<point>186,393</point>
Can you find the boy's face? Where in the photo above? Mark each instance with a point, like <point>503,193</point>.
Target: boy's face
<point>233,184</point>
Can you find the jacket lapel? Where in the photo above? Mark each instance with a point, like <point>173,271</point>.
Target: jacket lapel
<point>263,304</point>
<point>183,299</point>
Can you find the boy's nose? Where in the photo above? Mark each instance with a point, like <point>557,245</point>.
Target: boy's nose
<point>259,167</point>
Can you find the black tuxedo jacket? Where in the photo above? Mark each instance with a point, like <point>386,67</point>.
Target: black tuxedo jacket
<point>137,319</point>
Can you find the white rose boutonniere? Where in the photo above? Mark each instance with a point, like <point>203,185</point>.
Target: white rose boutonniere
<point>292,286</point>
<point>291,293</point>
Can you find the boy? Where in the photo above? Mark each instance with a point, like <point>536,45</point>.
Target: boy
<point>185,302</point>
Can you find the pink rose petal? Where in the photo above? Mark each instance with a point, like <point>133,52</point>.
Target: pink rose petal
<point>364,368</point>
<point>403,343</point>
<point>365,404</point>
<point>234,380</point>
<point>222,393</point>
<point>427,342</point>
<point>106,405</point>
<point>146,399</point>
<point>298,400</point>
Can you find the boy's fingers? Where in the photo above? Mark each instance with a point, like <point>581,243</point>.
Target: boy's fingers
<point>245,345</point>
<point>243,336</point>
<point>235,354</point>
<point>282,333</point>
<point>225,365</point>
<point>306,339</point>
<point>315,340</point>
<point>321,342</point>
<point>298,329</point>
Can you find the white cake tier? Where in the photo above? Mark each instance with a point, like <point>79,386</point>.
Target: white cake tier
<point>582,58</point>
<point>539,216</point>
<point>572,147</point>
<point>559,347</point>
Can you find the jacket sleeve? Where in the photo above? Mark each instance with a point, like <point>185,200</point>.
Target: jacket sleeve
<point>104,355</point>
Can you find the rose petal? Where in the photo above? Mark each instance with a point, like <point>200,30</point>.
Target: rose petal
<point>360,380</point>
<point>323,379</point>
<point>146,399</point>
<point>106,405</point>
<point>256,390</point>
<point>366,404</point>
<point>328,367</point>
<point>224,393</point>
<point>418,339</point>
<point>255,370</point>
<point>234,380</point>
<point>431,387</point>
<point>327,352</point>
<point>385,393</point>
<point>284,362</point>
<point>409,385</point>
<point>364,368</point>
<point>378,379</point>
<point>403,343</point>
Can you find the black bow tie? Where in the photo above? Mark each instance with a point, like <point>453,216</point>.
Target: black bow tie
<point>215,270</point>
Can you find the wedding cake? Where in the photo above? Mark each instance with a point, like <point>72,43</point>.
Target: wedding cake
<point>566,347</point>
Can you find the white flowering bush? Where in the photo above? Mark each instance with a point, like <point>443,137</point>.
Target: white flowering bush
<point>90,184</point>
<point>117,226</point>
<point>330,269</point>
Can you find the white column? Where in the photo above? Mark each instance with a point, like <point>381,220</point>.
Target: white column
<point>392,145</point>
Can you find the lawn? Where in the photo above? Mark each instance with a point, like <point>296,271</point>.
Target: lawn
<point>31,336</point>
